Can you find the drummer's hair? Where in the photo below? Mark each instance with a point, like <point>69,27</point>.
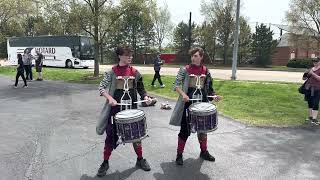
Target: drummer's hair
<point>124,50</point>
<point>195,50</point>
<point>19,56</point>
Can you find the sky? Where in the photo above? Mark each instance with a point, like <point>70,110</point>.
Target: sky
<point>261,11</point>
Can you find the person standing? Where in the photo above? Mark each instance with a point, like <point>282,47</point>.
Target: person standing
<point>20,72</point>
<point>157,66</point>
<point>112,90</point>
<point>39,64</point>
<point>185,86</point>
<point>312,95</point>
<point>27,61</point>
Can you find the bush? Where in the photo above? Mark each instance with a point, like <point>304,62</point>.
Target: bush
<point>300,63</point>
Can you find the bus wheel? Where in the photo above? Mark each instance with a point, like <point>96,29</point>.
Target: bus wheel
<point>69,64</point>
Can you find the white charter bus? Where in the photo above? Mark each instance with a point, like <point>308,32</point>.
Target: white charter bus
<point>59,51</point>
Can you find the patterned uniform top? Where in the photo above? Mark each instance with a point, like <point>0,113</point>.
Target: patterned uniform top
<point>192,69</point>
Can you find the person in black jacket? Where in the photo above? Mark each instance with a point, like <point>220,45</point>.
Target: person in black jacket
<point>157,66</point>
<point>20,72</point>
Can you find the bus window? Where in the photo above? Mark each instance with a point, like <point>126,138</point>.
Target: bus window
<point>76,51</point>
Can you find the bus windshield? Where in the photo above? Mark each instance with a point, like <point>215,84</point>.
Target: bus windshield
<point>86,49</point>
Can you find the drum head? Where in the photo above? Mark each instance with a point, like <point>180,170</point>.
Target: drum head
<point>129,115</point>
<point>203,107</point>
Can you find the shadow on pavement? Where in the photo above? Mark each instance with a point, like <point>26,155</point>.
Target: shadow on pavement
<point>189,171</point>
<point>116,175</point>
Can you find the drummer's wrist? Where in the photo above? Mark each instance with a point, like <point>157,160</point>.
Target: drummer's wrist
<point>111,99</point>
<point>184,95</point>
<point>107,96</point>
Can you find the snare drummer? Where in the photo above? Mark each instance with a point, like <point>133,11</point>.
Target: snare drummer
<point>111,90</point>
<point>186,84</point>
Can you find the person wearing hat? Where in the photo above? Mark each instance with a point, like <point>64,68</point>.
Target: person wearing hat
<point>157,66</point>
<point>312,95</point>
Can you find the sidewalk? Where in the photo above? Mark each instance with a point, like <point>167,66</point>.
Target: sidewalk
<point>253,75</point>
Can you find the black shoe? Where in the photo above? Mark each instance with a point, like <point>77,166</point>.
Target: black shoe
<point>179,159</point>
<point>308,119</point>
<point>103,168</point>
<point>143,164</point>
<point>315,121</point>
<point>207,156</point>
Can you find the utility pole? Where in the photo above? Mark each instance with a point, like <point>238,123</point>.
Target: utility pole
<point>190,32</point>
<point>236,44</point>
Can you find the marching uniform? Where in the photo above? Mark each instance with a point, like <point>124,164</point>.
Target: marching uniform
<point>114,84</point>
<point>186,80</point>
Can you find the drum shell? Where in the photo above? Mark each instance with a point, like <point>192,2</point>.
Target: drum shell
<point>203,121</point>
<point>131,129</point>
<point>129,116</point>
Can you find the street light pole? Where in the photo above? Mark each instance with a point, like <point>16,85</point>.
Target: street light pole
<point>236,44</point>
<point>190,32</point>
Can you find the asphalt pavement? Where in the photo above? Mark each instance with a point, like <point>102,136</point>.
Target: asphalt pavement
<point>47,132</point>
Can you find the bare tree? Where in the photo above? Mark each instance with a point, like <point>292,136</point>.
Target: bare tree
<point>97,18</point>
<point>221,14</point>
<point>304,19</point>
<point>162,24</point>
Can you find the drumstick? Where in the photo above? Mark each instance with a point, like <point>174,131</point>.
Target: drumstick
<point>213,96</point>
<point>195,99</point>
<point>143,101</point>
<point>123,104</point>
<point>133,102</point>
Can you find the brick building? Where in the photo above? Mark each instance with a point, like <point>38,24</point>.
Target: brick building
<point>286,50</point>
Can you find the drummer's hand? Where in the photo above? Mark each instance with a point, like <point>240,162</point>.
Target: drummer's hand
<point>148,100</point>
<point>185,98</point>
<point>311,73</point>
<point>217,98</point>
<point>112,102</point>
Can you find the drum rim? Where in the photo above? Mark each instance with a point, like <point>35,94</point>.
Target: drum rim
<point>128,121</point>
<point>133,118</point>
<point>136,140</point>
<point>203,113</point>
<point>213,110</point>
<point>209,130</point>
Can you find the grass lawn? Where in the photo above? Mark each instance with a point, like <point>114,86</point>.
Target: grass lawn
<point>255,103</point>
<point>58,74</point>
<point>270,68</point>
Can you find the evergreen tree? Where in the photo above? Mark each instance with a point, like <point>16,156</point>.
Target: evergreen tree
<point>262,45</point>
<point>181,41</point>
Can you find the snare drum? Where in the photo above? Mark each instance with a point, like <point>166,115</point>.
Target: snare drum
<point>203,117</point>
<point>131,125</point>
